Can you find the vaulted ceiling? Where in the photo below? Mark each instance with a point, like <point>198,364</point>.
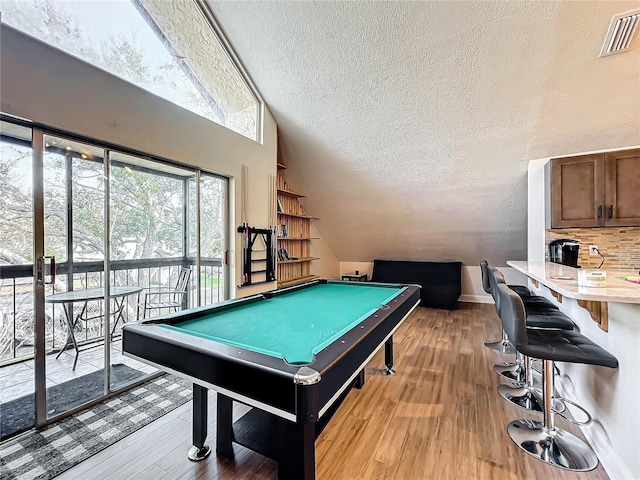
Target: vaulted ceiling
<point>409,125</point>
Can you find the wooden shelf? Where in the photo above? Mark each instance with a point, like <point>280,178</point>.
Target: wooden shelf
<point>298,239</point>
<point>295,281</point>
<point>310,217</point>
<point>290,193</point>
<point>298,244</point>
<point>300,260</point>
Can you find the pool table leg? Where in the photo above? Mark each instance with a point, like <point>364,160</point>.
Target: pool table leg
<point>298,454</point>
<point>224,426</point>
<point>200,449</point>
<point>360,379</point>
<point>388,357</point>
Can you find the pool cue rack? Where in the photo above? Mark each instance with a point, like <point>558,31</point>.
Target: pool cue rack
<point>262,258</point>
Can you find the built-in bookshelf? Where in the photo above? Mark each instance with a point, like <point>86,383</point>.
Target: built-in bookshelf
<point>294,235</point>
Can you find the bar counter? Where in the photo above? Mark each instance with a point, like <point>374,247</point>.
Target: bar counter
<point>610,317</point>
<point>564,280</point>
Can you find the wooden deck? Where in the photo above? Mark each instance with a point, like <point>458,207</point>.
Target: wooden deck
<point>17,380</point>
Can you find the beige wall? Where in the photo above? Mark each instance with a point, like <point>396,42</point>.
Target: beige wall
<point>328,266</point>
<point>45,85</point>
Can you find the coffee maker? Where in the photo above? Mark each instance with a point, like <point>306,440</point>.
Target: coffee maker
<point>564,251</point>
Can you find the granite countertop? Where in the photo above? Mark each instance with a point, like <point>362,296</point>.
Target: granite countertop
<point>564,280</point>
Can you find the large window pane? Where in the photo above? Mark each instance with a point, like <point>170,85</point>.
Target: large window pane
<point>84,195</point>
<point>16,254</point>
<point>146,208</point>
<point>213,204</point>
<point>16,209</point>
<point>149,43</point>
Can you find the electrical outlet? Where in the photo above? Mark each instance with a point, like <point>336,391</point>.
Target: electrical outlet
<point>593,250</point>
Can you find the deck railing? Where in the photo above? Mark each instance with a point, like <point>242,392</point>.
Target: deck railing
<point>17,328</point>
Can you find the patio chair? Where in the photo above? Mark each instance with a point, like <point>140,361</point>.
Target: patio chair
<point>167,297</point>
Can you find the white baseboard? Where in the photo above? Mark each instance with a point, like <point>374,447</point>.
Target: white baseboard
<point>466,297</point>
<point>610,460</point>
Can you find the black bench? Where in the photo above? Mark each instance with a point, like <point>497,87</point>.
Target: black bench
<point>441,282</point>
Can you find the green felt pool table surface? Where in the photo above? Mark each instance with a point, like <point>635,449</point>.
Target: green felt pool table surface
<point>292,326</point>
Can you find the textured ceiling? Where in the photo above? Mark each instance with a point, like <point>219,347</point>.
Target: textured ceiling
<point>410,125</point>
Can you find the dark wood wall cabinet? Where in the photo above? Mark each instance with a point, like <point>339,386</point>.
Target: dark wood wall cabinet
<point>596,190</point>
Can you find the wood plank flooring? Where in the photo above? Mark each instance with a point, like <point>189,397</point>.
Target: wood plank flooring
<point>439,418</point>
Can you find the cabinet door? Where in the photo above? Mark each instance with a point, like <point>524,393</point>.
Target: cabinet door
<point>622,188</point>
<point>577,191</point>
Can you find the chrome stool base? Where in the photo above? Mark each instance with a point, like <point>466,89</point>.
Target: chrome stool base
<point>515,372</point>
<point>501,346</point>
<point>557,447</point>
<point>527,398</point>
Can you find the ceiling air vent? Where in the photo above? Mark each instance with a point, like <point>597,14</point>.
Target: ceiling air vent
<point>620,34</point>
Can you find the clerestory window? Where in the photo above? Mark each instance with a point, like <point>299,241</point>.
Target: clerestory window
<point>171,49</point>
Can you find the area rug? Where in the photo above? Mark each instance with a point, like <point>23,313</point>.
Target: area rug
<point>19,414</point>
<point>46,453</point>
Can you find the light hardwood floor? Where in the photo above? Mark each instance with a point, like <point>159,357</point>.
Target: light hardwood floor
<point>439,418</point>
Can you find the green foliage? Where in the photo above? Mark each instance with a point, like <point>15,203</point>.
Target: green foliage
<point>146,209</point>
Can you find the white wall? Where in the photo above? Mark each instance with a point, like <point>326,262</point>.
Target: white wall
<point>45,85</point>
<point>538,208</point>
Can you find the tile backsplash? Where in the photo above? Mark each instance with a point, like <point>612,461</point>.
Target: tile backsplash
<point>620,246</point>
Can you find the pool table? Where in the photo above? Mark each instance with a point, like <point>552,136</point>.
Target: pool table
<point>292,354</point>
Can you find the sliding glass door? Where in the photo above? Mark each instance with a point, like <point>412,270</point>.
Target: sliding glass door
<point>74,189</point>
<point>93,238</point>
<point>17,310</point>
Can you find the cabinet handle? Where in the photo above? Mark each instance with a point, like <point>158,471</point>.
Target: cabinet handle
<point>610,211</point>
<point>600,211</point>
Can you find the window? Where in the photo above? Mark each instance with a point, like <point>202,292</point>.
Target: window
<point>168,48</point>
<point>153,220</point>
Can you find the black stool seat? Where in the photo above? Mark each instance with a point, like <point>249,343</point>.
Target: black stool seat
<point>566,346</point>
<point>520,290</point>
<point>539,308</point>
<point>536,301</point>
<point>548,319</point>
<point>540,312</point>
<point>533,303</point>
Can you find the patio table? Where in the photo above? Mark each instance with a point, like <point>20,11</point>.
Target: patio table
<point>67,299</point>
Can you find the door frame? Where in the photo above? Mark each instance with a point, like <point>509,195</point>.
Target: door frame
<point>38,132</point>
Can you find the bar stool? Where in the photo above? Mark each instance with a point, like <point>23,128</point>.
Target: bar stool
<point>539,314</point>
<point>533,304</point>
<point>523,392</point>
<point>544,440</point>
<point>503,345</point>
